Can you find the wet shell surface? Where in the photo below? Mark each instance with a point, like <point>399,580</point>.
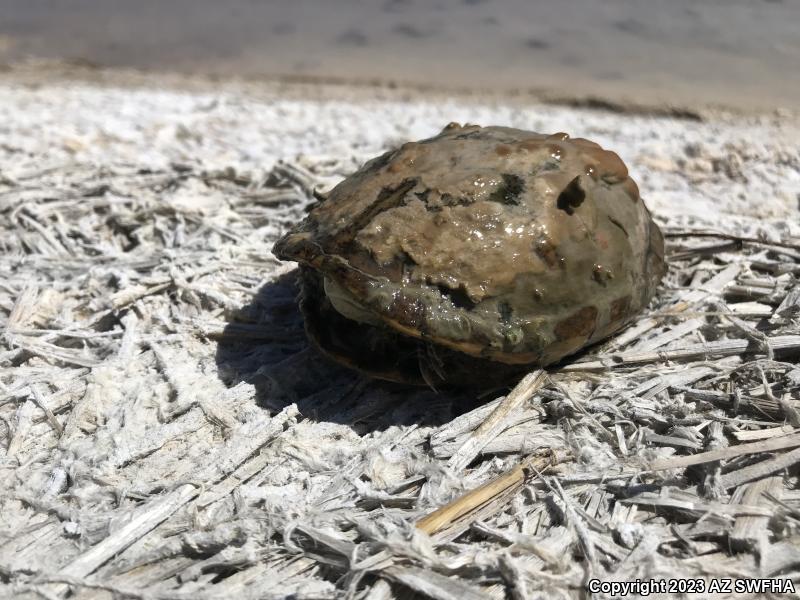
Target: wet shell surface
<point>475,255</point>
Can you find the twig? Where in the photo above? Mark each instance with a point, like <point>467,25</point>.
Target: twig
<point>760,469</point>
<point>494,424</point>
<point>770,445</point>
<point>504,485</point>
<point>779,343</point>
<point>730,236</point>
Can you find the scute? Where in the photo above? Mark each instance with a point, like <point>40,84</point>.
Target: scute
<point>498,243</point>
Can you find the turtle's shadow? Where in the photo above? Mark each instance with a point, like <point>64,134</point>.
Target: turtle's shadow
<point>264,344</point>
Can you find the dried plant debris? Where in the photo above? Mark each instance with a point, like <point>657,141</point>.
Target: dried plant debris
<point>167,432</point>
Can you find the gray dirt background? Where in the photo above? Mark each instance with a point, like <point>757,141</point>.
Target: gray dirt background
<point>740,53</point>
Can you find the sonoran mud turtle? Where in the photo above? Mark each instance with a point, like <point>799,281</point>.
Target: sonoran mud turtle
<point>473,256</point>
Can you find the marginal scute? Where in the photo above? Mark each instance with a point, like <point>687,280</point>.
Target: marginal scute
<point>494,243</point>
<point>581,323</point>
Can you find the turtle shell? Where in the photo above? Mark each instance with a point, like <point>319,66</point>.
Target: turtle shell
<point>480,244</point>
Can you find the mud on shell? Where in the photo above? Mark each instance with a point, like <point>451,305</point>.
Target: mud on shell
<point>479,244</point>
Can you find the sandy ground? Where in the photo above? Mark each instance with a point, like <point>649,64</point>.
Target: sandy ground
<point>714,165</point>
<point>166,431</point>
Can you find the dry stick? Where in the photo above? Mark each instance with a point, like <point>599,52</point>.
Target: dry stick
<point>760,470</point>
<point>696,505</point>
<point>776,267</point>
<point>51,351</point>
<point>24,417</point>
<point>493,425</point>
<point>789,411</point>
<point>759,337</point>
<point>790,304</point>
<point>760,406</point>
<point>505,484</point>
<point>770,445</point>
<point>705,250</point>
<point>693,352</point>
<point>751,435</point>
<point>749,530</point>
<point>463,423</point>
<point>681,462</point>
<point>577,525</point>
<point>41,402</point>
<point>24,307</point>
<point>730,236</point>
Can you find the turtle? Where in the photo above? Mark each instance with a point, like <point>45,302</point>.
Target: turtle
<point>473,256</point>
